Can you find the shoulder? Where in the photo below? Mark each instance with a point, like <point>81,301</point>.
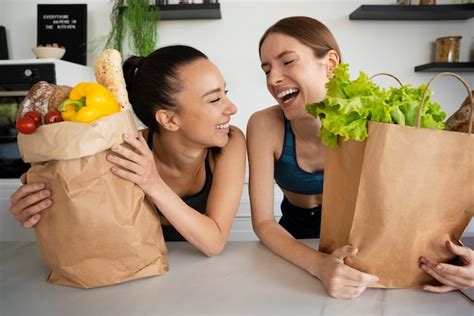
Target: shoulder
<point>266,118</point>
<point>236,146</point>
<point>236,140</point>
<point>232,155</point>
<point>266,127</point>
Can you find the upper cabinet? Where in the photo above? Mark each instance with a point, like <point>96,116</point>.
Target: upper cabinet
<point>413,12</point>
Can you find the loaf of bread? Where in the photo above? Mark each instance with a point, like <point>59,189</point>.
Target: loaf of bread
<point>108,72</point>
<point>60,94</point>
<point>43,97</point>
<point>459,121</point>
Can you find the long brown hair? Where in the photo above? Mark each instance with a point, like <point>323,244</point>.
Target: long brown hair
<point>308,31</point>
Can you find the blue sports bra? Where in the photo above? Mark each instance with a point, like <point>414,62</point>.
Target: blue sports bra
<point>289,176</point>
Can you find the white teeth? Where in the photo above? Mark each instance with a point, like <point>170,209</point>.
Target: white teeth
<point>222,126</point>
<point>286,92</point>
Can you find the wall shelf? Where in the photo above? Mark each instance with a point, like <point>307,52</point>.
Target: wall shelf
<point>413,12</point>
<point>197,11</point>
<point>439,67</point>
<point>190,11</point>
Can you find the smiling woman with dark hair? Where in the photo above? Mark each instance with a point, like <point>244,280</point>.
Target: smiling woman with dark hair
<point>190,161</point>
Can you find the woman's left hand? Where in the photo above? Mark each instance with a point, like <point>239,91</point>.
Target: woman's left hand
<point>136,164</point>
<point>451,276</point>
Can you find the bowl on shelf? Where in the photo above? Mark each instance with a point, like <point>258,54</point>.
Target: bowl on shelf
<point>49,52</point>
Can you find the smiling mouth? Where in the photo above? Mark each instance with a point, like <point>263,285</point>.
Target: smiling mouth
<point>223,126</point>
<point>287,95</point>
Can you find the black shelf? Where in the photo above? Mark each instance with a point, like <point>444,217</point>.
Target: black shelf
<point>190,11</point>
<point>196,11</point>
<point>414,12</point>
<point>438,67</point>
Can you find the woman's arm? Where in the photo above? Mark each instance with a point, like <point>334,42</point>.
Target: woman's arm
<point>208,232</point>
<point>339,279</point>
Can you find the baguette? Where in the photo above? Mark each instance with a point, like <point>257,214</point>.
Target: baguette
<point>108,72</point>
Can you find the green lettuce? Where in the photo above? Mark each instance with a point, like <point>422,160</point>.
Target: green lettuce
<point>350,104</point>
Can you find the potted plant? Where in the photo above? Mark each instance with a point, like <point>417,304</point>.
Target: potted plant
<point>136,21</point>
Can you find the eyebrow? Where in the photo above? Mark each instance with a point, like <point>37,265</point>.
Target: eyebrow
<point>213,91</point>
<point>286,52</point>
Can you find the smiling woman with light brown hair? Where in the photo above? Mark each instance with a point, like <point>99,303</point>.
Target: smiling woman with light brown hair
<point>298,56</point>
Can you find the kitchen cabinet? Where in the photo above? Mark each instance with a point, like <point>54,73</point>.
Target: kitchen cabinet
<point>10,230</point>
<point>420,13</point>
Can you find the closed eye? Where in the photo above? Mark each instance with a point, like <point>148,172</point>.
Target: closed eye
<point>218,98</point>
<point>288,62</point>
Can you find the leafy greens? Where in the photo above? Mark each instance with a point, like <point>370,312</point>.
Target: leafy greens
<point>349,104</point>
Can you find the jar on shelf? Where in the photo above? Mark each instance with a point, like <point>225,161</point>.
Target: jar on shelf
<point>427,2</point>
<point>447,49</point>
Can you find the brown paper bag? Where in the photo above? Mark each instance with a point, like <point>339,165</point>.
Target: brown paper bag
<point>100,230</point>
<point>396,196</point>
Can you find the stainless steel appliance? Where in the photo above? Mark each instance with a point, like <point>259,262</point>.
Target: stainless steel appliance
<point>16,78</point>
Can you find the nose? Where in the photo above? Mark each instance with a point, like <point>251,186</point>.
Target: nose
<point>274,77</point>
<point>230,108</point>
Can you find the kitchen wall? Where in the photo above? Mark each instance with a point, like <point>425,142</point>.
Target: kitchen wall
<point>372,46</point>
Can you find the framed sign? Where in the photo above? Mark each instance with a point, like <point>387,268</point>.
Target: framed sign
<point>65,25</point>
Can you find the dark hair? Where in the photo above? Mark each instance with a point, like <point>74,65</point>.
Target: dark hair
<point>153,81</point>
<point>308,31</point>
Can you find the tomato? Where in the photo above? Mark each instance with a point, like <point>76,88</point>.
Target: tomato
<point>53,117</point>
<point>26,125</point>
<point>35,116</point>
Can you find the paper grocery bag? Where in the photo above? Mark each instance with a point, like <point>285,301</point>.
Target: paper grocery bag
<point>100,230</point>
<point>396,196</point>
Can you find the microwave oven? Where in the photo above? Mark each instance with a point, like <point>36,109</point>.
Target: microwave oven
<point>16,78</point>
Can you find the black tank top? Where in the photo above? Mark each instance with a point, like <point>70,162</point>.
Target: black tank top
<point>197,201</point>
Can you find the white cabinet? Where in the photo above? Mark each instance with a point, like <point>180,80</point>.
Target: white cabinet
<point>242,229</point>
<point>11,230</point>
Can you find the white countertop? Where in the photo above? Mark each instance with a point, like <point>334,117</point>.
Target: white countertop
<point>245,278</point>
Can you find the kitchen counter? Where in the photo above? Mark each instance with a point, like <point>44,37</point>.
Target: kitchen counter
<point>245,278</point>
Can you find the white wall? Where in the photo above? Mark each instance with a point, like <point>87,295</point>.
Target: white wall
<point>372,46</point>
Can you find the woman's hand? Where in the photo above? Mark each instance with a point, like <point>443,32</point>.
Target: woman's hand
<point>136,164</point>
<point>451,276</point>
<point>340,280</point>
<point>28,201</point>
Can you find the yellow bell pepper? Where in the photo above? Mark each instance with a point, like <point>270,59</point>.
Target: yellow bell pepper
<point>88,101</point>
